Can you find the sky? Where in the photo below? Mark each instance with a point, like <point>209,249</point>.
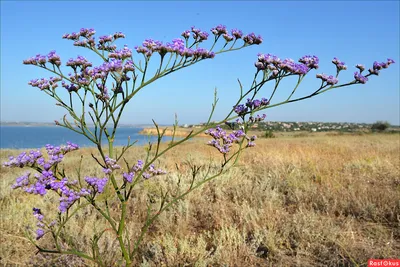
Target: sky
<point>357,32</point>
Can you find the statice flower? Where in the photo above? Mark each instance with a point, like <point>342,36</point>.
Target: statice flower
<point>22,181</point>
<point>53,58</point>
<point>121,54</point>
<point>310,61</point>
<point>201,53</point>
<point>80,61</point>
<point>138,167</point>
<point>69,196</point>
<point>223,141</point>
<point>240,109</point>
<point>340,65</point>
<point>331,80</point>
<point>288,65</point>
<point>97,183</point>
<point>237,33</point>
<point>199,35</point>
<point>71,36</point>
<point>219,30</point>
<point>376,67</point>
<point>360,78</point>
<point>118,35</point>
<point>251,38</point>
<point>105,39</point>
<point>186,34</point>
<point>24,159</point>
<point>111,164</point>
<point>228,38</point>
<point>128,177</point>
<point>360,67</point>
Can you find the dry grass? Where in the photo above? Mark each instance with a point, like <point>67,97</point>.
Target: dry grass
<point>320,201</point>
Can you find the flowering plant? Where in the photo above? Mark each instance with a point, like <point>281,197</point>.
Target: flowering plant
<point>97,97</point>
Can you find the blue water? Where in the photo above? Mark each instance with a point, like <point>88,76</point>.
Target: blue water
<point>18,137</point>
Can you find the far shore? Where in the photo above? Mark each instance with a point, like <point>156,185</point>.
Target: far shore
<point>181,132</point>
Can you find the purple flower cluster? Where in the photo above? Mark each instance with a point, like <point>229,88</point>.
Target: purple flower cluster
<point>177,46</point>
<point>97,183</point>
<point>330,80</point>
<point>111,165</point>
<point>44,84</point>
<point>199,35</point>
<point>376,67</point>
<point>105,42</point>
<point>310,61</point>
<point>41,60</point>
<point>243,109</point>
<point>80,61</point>
<point>360,78</point>
<point>251,39</point>
<point>39,216</point>
<point>340,65</point>
<point>84,32</point>
<point>273,63</point>
<point>222,140</point>
<point>46,179</point>
<point>138,167</point>
<point>221,30</point>
<point>121,54</point>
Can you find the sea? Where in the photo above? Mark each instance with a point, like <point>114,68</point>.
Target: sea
<point>25,137</point>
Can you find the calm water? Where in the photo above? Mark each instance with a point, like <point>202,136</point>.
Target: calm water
<point>18,137</point>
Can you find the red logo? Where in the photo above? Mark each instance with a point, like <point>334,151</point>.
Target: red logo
<point>383,263</point>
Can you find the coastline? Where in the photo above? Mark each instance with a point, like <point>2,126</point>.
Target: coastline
<point>170,131</point>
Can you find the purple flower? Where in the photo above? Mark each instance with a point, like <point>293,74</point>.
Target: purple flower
<point>310,61</point>
<point>118,35</point>
<point>112,164</point>
<point>39,233</point>
<point>360,78</point>
<point>251,39</point>
<point>128,177</point>
<point>339,64</point>
<point>331,80</point>
<point>223,141</point>
<point>360,67</point>
<point>237,33</point>
<point>53,58</point>
<point>199,35</point>
<point>186,34</point>
<point>22,181</point>
<point>228,38</point>
<point>219,30</point>
<point>240,109</point>
<point>97,183</point>
<point>290,66</point>
<point>105,39</point>
<point>121,54</point>
<point>80,61</point>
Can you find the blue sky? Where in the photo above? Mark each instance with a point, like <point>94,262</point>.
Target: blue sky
<point>355,32</point>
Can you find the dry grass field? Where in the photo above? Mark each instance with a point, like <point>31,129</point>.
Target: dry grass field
<point>321,200</point>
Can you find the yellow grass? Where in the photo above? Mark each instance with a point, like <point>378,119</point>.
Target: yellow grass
<point>306,201</point>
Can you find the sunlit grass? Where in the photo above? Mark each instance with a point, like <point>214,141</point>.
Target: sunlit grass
<point>306,201</point>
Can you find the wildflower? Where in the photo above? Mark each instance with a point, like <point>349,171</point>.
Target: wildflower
<point>339,64</point>
<point>331,80</point>
<point>360,78</point>
<point>237,34</point>
<point>97,183</point>
<point>310,61</point>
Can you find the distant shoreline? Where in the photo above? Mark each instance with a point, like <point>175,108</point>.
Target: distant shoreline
<point>170,131</point>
